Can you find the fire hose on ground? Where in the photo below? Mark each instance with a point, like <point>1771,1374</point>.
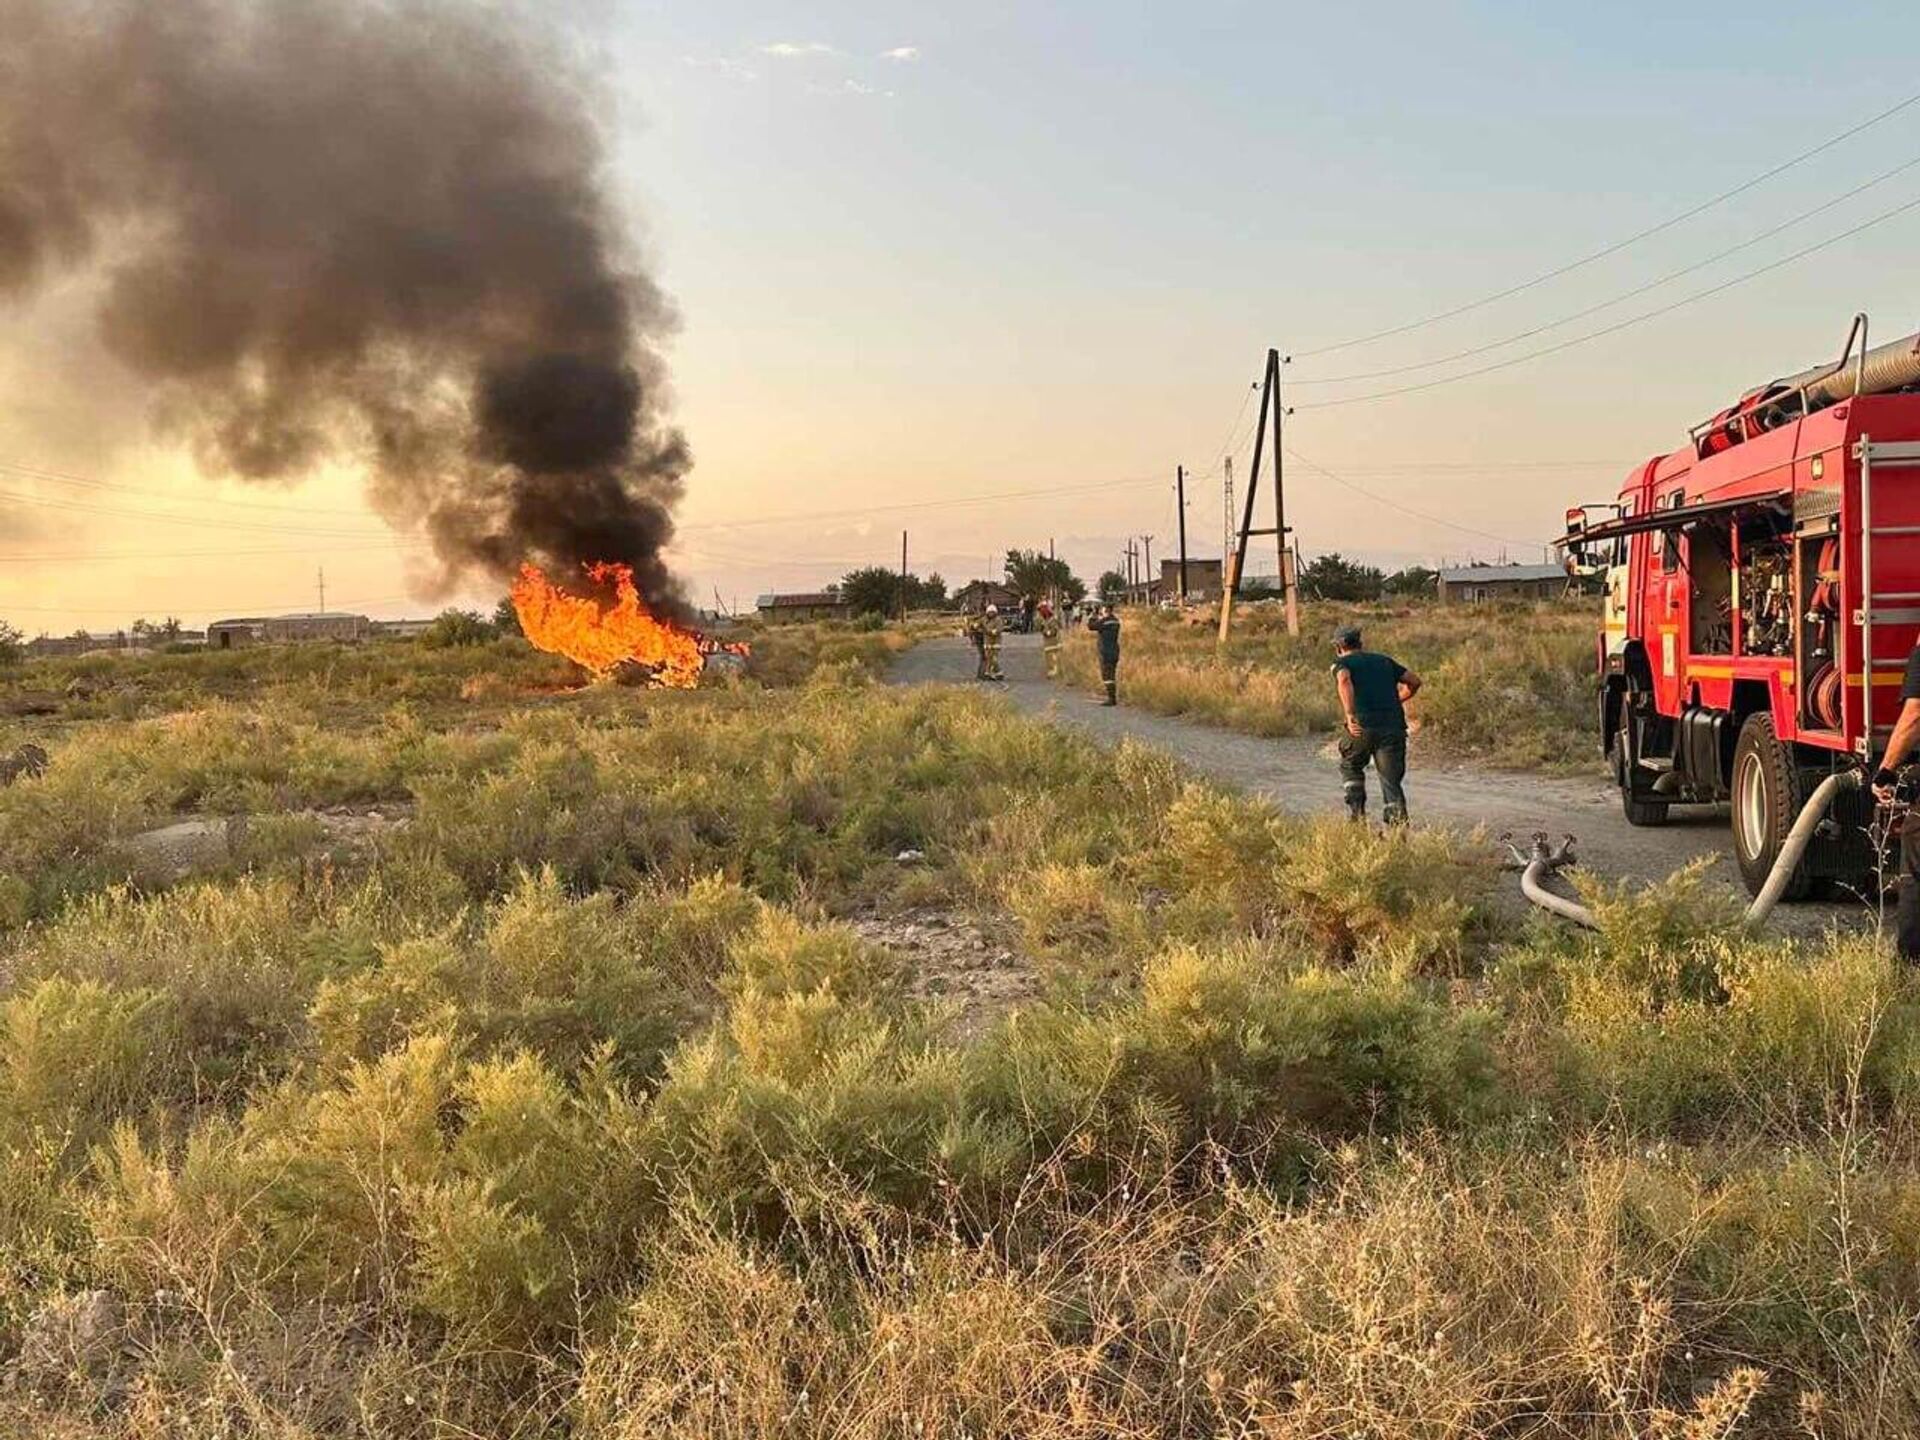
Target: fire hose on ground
<point>1543,859</point>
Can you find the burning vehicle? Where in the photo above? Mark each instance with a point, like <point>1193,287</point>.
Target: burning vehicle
<point>607,626</point>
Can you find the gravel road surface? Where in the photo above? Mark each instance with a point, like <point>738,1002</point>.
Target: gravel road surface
<point>1300,774</point>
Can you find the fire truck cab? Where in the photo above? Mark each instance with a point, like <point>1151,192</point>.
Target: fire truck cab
<point>1763,593</point>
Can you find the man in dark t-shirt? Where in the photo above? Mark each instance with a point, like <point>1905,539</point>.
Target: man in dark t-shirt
<point>1374,690</point>
<point>1900,749</point>
<point>1106,630</point>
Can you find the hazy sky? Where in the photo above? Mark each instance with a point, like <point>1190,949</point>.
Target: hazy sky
<point>927,252</point>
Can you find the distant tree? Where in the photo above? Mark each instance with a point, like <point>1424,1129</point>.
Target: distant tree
<point>871,590</point>
<point>927,594</point>
<point>1031,573</point>
<point>456,627</point>
<point>876,590</point>
<point>1334,577</point>
<point>506,618</point>
<point>1413,580</point>
<point>1112,585</point>
<point>148,633</point>
<point>13,645</point>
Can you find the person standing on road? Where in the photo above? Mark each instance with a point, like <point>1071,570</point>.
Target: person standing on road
<point>1050,639</point>
<point>1886,778</point>
<point>1374,690</point>
<point>990,632</point>
<point>1106,629</point>
<point>1026,614</point>
<point>976,632</point>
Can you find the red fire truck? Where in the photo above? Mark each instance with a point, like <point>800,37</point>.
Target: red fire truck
<point>1763,592</point>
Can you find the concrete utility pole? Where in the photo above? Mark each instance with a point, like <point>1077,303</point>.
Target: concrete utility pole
<point>323,589</point>
<point>1180,501</point>
<point>1146,576</point>
<point>1226,542</point>
<point>903,577</point>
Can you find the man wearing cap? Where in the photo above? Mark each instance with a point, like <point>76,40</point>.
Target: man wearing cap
<point>1374,690</point>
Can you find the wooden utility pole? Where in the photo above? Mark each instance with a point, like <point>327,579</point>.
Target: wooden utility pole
<point>1146,575</point>
<point>903,577</point>
<point>1180,501</point>
<point>1270,404</point>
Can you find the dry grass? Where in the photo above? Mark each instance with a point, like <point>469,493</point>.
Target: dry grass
<point>570,1108</point>
<point>1508,684</point>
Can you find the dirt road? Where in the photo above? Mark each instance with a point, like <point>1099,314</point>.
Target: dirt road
<point>1299,774</point>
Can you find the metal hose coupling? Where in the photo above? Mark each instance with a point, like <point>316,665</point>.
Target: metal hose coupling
<point>1540,860</point>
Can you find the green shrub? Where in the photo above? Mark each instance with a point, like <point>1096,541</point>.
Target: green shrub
<point>76,1056</point>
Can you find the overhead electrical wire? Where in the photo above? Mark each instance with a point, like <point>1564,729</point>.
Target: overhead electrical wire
<point>269,609</point>
<point>1393,504</point>
<point>1617,246</point>
<point>1626,324</point>
<point>87,555</point>
<point>64,477</point>
<point>81,507</point>
<point>1619,299</point>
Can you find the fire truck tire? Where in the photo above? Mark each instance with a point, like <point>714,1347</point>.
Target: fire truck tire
<point>1641,813</point>
<point>1767,796</point>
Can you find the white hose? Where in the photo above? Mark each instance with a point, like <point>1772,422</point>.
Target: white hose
<point>1542,861</point>
<point>1798,838</point>
<point>1534,890</point>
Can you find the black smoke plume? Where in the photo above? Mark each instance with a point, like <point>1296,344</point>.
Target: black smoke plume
<point>370,230</point>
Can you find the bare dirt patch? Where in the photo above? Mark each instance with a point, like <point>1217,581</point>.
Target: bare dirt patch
<point>951,959</point>
<point>343,833</point>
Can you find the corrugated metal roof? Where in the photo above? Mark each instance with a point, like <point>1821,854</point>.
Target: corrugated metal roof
<point>1494,574</point>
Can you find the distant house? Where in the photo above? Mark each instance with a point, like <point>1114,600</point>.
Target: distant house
<point>1472,583</point>
<point>1204,579</point>
<point>978,594</point>
<point>400,629</point>
<point>287,629</point>
<point>45,647</point>
<point>235,634</point>
<point>810,605</point>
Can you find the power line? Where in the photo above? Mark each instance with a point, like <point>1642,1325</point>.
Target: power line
<point>66,477</point>
<point>861,511</point>
<point>82,507</point>
<point>308,552</point>
<point>1618,245</point>
<point>1624,296</point>
<point>137,611</point>
<point>1374,495</point>
<point>1626,324</point>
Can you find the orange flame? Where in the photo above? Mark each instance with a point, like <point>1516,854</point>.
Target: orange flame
<point>603,636</point>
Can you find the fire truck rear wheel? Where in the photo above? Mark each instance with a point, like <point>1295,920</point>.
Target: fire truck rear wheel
<point>1641,813</point>
<point>1767,796</point>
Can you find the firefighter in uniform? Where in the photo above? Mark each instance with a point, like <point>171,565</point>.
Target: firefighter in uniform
<point>1901,748</point>
<point>1106,629</point>
<point>1050,639</point>
<point>1373,691</point>
<point>976,632</point>
<point>990,653</point>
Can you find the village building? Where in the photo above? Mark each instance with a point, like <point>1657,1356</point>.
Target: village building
<point>1205,580</point>
<point>288,629</point>
<point>1470,584</point>
<point>812,605</point>
<point>978,594</point>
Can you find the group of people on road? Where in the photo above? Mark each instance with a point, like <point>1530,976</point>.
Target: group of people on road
<point>1373,690</point>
